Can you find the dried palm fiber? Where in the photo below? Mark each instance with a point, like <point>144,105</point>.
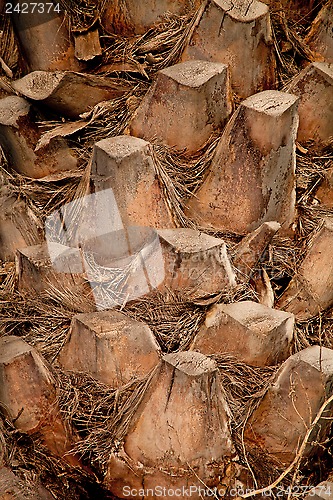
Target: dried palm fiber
<point>8,46</point>
<point>111,118</point>
<point>83,14</point>
<point>106,119</point>
<point>160,47</point>
<point>46,194</point>
<point>146,53</point>
<point>49,193</point>
<point>244,387</point>
<point>34,465</point>
<point>173,319</point>
<point>40,322</point>
<point>101,415</point>
<point>180,37</point>
<point>310,217</point>
<point>310,169</point>
<point>289,45</point>
<point>7,279</point>
<point>181,174</point>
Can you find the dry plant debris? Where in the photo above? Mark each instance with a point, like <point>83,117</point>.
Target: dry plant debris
<point>100,415</point>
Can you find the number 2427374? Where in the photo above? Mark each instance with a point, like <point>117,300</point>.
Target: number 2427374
<point>31,8</point>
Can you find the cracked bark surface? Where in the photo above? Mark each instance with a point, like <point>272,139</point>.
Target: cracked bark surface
<point>238,34</point>
<point>185,406</point>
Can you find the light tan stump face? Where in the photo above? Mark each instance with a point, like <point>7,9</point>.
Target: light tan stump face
<point>252,176</point>
<point>281,421</point>
<point>314,86</point>
<point>253,333</point>
<point>111,347</point>
<point>186,409</point>
<point>195,263</point>
<point>239,34</point>
<point>185,105</point>
<point>125,165</point>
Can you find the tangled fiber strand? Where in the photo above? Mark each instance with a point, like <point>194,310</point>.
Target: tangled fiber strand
<point>181,174</point>
<point>111,118</point>
<point>244,388</point>
<point>244,385</point>
<point>33,465</point>
<point>172,317</point>
<point>161,46</point>
<point>44,195</point>
<point>83,14</point>
<point>290,48</point>
<point>316,331</point>
<point>145,54</point>
<point>101,415</point>
<point>41,323</point>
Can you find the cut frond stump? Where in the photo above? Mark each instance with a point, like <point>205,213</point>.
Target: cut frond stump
<point>281,421</point>
<point>19,136</point>
<point>320,37</point>
<point>44,39</point>
<point>111,347</point>
<point>311,290</point>
<point>186,409</point>
<point>196,264</point>
<point>67,92</point>
<point>239,34</point>
<point>314,86</point>
<point>185,105</point>
<point>255,334</point>
<point>249,251</point>
<point>125,165</point>
<point>252,175</point>
<point>28,396</point>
